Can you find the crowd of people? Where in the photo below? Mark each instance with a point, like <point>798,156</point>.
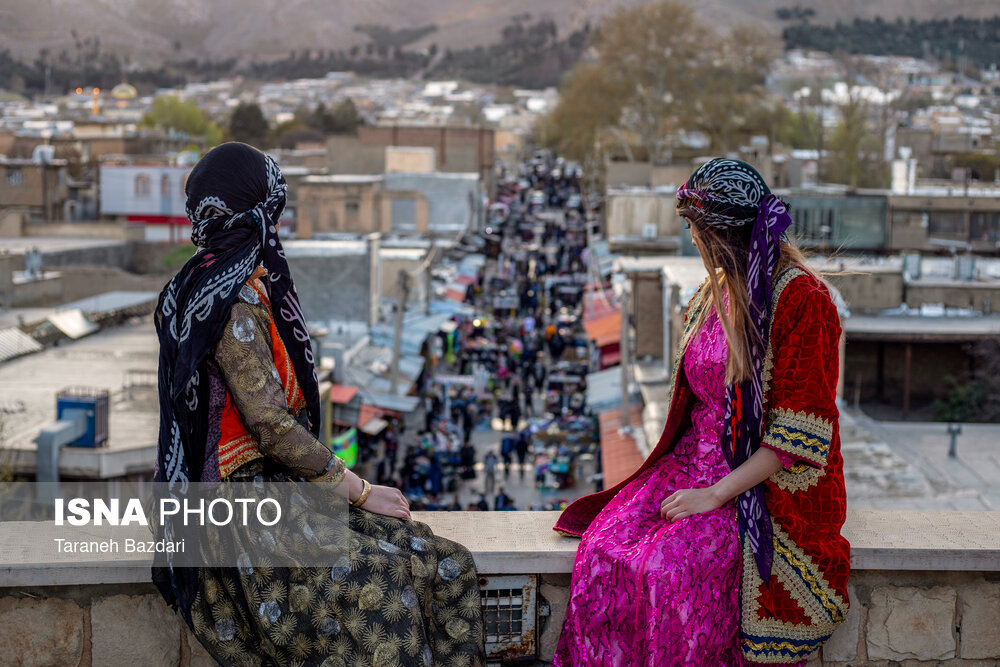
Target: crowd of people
<point>521,359</point>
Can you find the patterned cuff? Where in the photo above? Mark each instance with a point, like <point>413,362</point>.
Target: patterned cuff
<point>333,472</point>
<point>801,435</point>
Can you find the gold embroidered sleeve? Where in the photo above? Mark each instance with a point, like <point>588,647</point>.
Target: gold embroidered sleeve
<point>246,360</point>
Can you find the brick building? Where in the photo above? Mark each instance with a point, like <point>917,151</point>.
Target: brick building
<point>457,149</point>
<point>37,187</point>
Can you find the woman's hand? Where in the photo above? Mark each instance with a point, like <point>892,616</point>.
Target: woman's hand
<point>387,501</point>
<point>688,502</point>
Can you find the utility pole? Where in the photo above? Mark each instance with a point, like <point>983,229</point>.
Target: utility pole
<point>403,281</point>
<point>623,347</point>
<point>426,275</point>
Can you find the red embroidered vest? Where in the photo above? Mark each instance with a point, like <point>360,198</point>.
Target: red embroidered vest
<point>236,444</point>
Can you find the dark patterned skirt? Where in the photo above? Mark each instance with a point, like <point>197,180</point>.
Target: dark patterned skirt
<point>400,596</point>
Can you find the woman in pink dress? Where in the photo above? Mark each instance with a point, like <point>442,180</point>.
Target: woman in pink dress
<point>635,562</point>
<point>724,548</point>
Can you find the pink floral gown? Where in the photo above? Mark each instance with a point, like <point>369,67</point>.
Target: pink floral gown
<point>647,592</point>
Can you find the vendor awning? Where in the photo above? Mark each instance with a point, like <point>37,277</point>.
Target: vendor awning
<point>604,330</point>
<point>620,455</point>
<point>73,323</point>
<point>340,393</point>
<point>374,426</point>
<point>456,291</point>
<point>604,390</point>
<point>386,402</point>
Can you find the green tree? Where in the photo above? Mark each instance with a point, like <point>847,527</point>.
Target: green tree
<point>974,395</point>
<point>171,113</point>
<point>345,118</point>
<point>659,70</point>
<point>656,51</point>
<point>342,119</point>
<point>857,144</point>
<point>798,129</point>
<point>732,100</point>
<point>248,124</point>
<point>588,107</point>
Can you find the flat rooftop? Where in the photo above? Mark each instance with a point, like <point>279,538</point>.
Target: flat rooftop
<point>18,245</point>
<point>99,361</point>
<point>920,328</point>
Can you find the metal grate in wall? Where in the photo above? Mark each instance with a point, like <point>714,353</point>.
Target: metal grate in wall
<point>509,606</point>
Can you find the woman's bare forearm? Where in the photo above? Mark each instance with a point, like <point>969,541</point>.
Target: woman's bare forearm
<point>354,486</point>
<point>762,464</point>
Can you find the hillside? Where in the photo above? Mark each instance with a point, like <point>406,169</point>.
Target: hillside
<point>151,30</point>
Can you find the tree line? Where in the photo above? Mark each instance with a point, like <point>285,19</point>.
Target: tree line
<point>957,41</point>
<point>248,124</point>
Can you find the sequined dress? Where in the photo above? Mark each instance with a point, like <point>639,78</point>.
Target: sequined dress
<point>646,592</point>
<point>400,597</point>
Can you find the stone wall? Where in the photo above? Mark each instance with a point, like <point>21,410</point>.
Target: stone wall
<point>870,291</point>
<point>95,626</point>
<point>332,282</point>
<point>45,291</point>
<point>977,296</point>
<point>925,590</point>
<point>897,617</point>
<point>908,618</point>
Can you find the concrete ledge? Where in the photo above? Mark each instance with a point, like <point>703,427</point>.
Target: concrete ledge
<point>524,543</point>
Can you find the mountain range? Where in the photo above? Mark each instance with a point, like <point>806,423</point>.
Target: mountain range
<point>149,31</point>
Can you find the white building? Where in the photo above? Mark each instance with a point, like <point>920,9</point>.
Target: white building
<point>149,194</point>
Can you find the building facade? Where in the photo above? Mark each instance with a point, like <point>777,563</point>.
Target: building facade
<point>36,187</point>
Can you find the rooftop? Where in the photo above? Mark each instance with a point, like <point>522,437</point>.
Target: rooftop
<point>920,327</point>
<point>100,361</point>
<point>342,178</point>
<point>18,245</point>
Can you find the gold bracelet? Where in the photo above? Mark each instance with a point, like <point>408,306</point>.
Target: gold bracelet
<point>366,488</point>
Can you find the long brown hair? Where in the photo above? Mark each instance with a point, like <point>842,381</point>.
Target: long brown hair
<point>725,252</point>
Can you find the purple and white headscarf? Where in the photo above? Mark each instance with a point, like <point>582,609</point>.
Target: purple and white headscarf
<point>731,193</point>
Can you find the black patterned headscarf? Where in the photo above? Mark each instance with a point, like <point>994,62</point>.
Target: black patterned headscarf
<point>235,197</point>
<point>732,194</point>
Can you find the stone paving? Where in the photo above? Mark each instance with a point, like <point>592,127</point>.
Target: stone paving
<point>905,465</point>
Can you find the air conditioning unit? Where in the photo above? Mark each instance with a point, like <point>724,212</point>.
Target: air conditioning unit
<point>95,403</point>
<point>649,230</point>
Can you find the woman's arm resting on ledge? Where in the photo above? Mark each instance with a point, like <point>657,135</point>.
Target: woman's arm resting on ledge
<point>686,502</point>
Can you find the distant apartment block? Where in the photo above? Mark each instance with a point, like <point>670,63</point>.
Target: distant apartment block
<point>146,194</point>
<point>928,220</point>
<point>457,149</point>
<point>642,221</point>
<point>393,203</point>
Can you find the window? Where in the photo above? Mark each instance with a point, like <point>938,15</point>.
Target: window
<point>946,223</point>
<point>984,227</point>
<point>351,208</point>
<point>184,183</point>
<point>165,185</point>
<point>14,176</point>
<point>812,223</point>
<point>142,185</point>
